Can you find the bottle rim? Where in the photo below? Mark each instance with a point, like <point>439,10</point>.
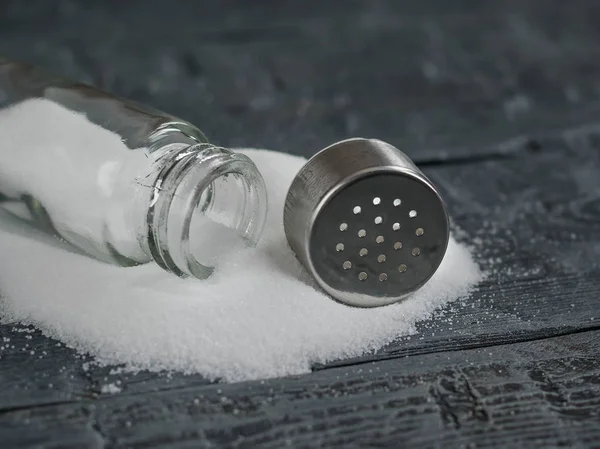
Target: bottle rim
<point>188,187</point>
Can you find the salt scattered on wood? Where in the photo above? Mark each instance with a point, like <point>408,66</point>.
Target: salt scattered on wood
<point>111,388</point>
<point>258,316</point>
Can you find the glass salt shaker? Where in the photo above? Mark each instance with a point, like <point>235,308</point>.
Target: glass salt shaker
<point>120,181</point>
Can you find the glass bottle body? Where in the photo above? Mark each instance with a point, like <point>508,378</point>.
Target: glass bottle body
<point>120,181</point>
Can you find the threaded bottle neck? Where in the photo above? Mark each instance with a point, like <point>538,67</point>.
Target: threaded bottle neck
<point>205,203</point>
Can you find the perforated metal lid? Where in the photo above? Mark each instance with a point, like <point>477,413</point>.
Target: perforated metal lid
<point>366,222</point>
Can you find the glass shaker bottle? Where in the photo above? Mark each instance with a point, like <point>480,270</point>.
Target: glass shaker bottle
<point>119,181</point>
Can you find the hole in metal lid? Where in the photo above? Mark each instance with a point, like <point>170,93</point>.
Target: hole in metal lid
<point>347,265</point>
<point>363,252</point>
<point>397,202</point>
<point>339,247</point>
<point>412,213</point>
<point>398,245</point>
<point>396,226</point>
<point>381,258</point>
<point>376,201</point>
<point>383,277</point>
<point>362,276</point>
<point>343,227</point>
<point>362,233</point>
<point>379,239</point>
<point>420,231</point>
<point>356,210</point>
<point>378,220</point>
<point>402,268</point>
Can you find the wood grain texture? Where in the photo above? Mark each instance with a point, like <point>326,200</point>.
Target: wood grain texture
<point>533,394</point>
<point>428,76</point>
<point>498,101</point>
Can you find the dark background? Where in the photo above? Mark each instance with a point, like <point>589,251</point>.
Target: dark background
<point>497,101</point>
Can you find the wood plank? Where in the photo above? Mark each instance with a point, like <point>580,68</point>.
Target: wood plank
<point>455,78</point>
<point>531,394</point>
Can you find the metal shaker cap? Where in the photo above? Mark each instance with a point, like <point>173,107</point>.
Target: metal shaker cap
<point>366,222</point>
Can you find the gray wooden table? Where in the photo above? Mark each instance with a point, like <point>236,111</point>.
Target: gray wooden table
<point>500,104</point>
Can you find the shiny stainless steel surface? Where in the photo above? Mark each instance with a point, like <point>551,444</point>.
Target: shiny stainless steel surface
<point>366,222</point>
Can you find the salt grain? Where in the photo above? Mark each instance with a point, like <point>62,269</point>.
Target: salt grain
<point>258,316</point>
<point>110,389</point>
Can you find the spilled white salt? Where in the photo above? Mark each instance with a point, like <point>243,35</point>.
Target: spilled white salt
<point>258,316</point>
<point>111,388</point>
<point>88,178</point>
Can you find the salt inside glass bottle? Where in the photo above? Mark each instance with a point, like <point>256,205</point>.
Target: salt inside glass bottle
<point>120,181</point>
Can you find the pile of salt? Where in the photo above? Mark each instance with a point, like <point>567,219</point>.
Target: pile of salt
<point>258,316</point>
